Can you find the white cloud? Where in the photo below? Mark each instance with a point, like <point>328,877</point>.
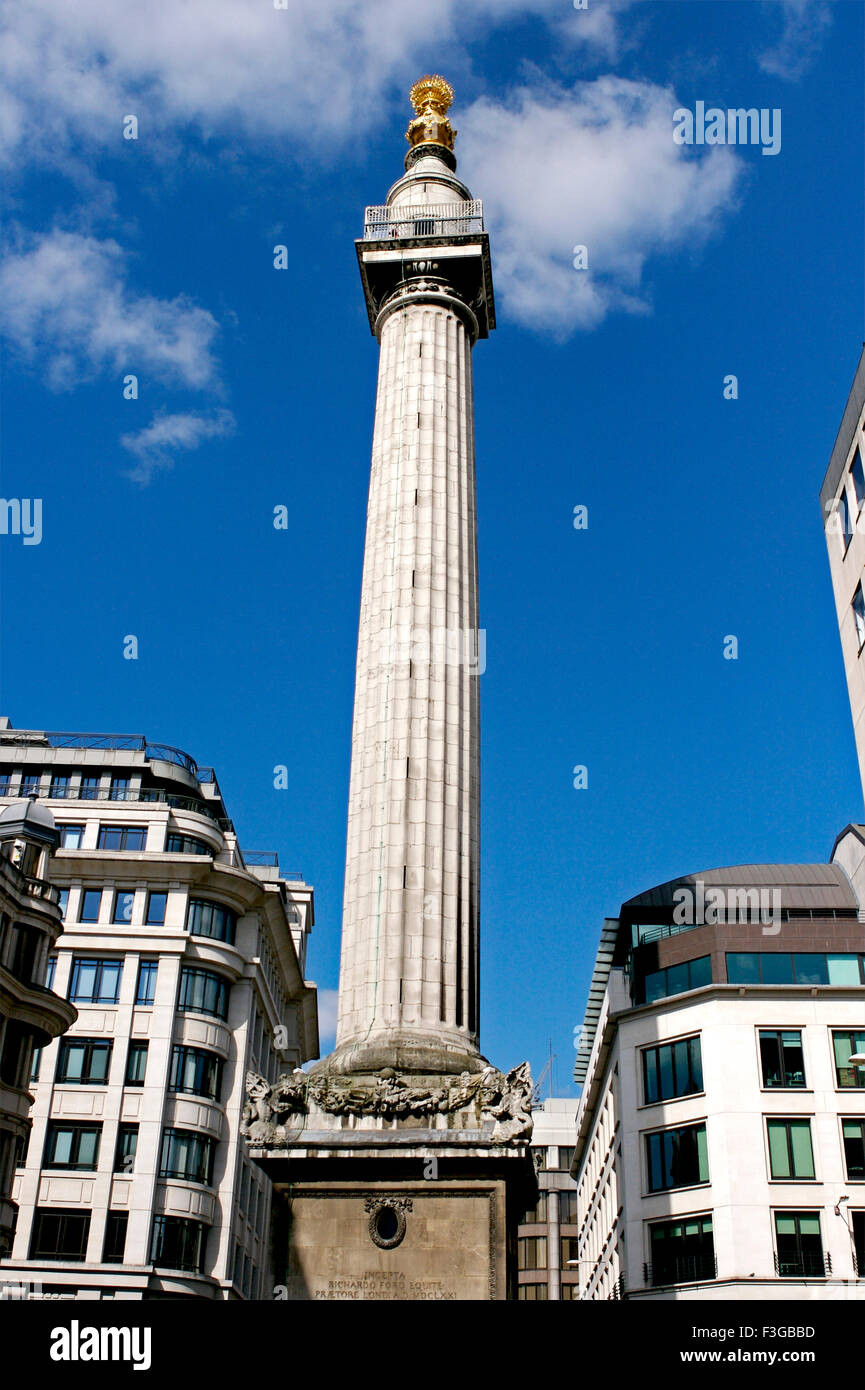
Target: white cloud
<point>155,446</point>
<point>596,166</point>
<point>314,73</point>
<point>804,24</point>
<point>327,1005</point>
<point>65,303</point>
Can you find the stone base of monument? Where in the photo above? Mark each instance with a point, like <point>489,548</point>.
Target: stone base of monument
<point>391,1187</point>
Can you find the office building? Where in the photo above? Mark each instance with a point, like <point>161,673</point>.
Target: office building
<point>184,957</point>
<point>720,1147</point>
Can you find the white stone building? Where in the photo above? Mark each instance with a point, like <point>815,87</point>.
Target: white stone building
<point>842,498</point>
<point>30,1015</point>
<point>185,960</point>
<point>720,1149</point>
<point>547,1237</point>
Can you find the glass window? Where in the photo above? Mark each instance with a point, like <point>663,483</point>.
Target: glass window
<point>676,979</point>
<point>50,969</point>
<point>127,1143</point>
<point>71,836</point>
<point>186,844</point>
<point>124,902</point>
<point>178,1243</point>
<point>89,788</point>
<point>203,992</point>
<point>569,1250</point>
<point>5,783</point>
<point>115,1237</point>
<point>120,789</point>
<point>187,1155</point>
<point>146,991</point>
<point>677,1158</point>
<point>59,786</point>
<point>83,1062</point>
<point>532,1252</point>
<point>122,837</point>
<point>681,1251</point>
<point>90,901</point>
<point>675,1069</point>
<point>810,968</point>
<point>532,1293</point>
<point>538,1213</point>
<point>197,1072</point>
<point>36,1064</point>
<point>799,1245</point>
<point>30,784</point>
<point>781,1057</point>
<point>63,901</point>
<point>777,968</point>
<point>846,1043</point>
<point>854,1148</point>
<point>844,970</point>
<point>136,1063</point>
<point>790,1153</point>
<point>59,1234</point>
<point>568,1211</point>
<point>743,968</point>
<point>858,475</point>
<point>846,527</point>
<point>859,615</point>
<point>156,909</point>
<point>95,981</point>
<point>211,919</point>
<point>72,1146</point>
<point>566,1156</point>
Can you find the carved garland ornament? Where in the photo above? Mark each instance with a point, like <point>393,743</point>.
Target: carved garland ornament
<point>387,1220</point>
<point>504,1100</point>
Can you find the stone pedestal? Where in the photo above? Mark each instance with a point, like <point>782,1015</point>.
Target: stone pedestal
<point>395,1188</point>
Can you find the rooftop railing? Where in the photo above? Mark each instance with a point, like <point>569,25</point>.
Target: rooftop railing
<point>130,794</point>
<point>441,219</point>
<point>124,743</point>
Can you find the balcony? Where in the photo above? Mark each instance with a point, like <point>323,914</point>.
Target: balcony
<point>803,1265</point>
<point>439,220</point>
<point>680,1269</point>
<point>148,795</point>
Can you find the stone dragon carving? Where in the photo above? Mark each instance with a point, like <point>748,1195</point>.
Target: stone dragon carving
<point>504,1100</point>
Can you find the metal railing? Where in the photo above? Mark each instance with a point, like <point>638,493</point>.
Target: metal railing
<point>263,858</point>
<point>680,1269</point>
<point>147,795</point>
<point>804,1265</point>
<point>124,743</point>
<point>440,219</point>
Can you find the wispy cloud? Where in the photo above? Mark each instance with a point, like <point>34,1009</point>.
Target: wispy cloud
<point>156,446</point>
<point>804,24</point>
<point>65,301</point>
<point>594,166</point>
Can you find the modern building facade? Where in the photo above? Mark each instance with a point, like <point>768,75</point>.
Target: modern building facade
<point>30,1015</point>
<point>547,1238</point>
<point>720,1148</point>
<point>842,498</point>
<point>184,957</point>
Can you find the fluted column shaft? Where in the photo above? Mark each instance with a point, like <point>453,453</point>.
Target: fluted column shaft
<point>409,965</point>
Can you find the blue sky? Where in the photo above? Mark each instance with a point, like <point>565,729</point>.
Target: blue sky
<point>600,387</point>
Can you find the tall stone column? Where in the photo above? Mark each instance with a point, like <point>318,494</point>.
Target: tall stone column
<point>401,1163</point>
<point>409,987</point>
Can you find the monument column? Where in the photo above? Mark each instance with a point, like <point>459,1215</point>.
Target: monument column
<point>403,1158</point>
